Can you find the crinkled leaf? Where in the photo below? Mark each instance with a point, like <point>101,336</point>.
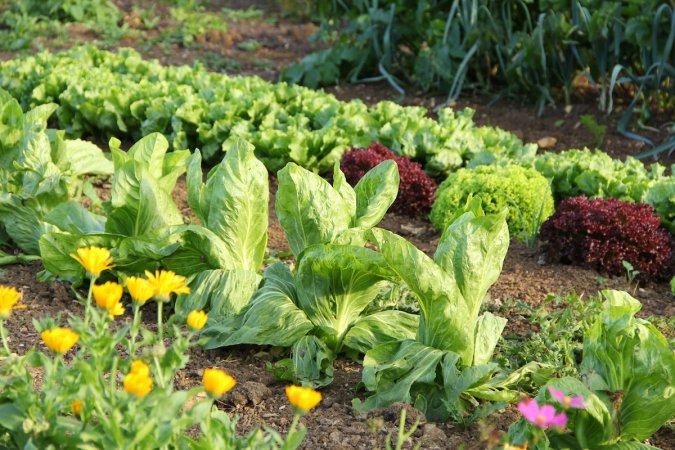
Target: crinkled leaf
<point>56,247</point>
<point>488,331</point>
<point>234,203</point>
<point>221,293</point>
<point>335,284</point>
<point>272,317</point>
<point>380,328</point>
<point>309,209</point>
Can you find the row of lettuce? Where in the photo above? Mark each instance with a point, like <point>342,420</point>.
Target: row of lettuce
<point>439,360</point>
<point>103,94</point>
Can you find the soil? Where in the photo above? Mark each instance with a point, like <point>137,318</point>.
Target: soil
<point>259,398</point>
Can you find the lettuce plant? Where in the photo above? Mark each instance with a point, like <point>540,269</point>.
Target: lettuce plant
<point>320,309</point>
<point>523,191</point>
<point>146,229</point>
<point>447,364</point>
<point>626,383</point>
<point>41,175</point>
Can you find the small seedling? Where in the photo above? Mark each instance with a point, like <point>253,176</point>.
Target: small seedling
<point>598,131</point>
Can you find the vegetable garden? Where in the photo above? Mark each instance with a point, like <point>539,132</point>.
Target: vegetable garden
<point>193,259</point>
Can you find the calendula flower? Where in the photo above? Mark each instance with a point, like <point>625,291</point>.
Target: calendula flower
<point>138,381</point>
<point>217,382</point>
<point>513,447</point>
<point>9,297</point>
<point>166,282</point>
<point>543,416</point>
<point>107,295</point>
<point>116,310</point>
<point>76,406</point>
<point>576,402</point>
<point>59,340</point>
<point>94,259</point>
<point>140,289</point>
<point>303,398</point>
<point>197,319</point>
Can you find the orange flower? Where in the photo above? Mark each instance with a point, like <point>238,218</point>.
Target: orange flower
<point>107,295</point>
<point>76,406</point>
<point>138,381</point>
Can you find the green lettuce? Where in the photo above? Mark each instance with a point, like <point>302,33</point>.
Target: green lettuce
<point>627,374</point>
<point>447,365</point>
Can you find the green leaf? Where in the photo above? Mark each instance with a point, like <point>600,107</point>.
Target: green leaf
<point>375,193</point>
<point>488,331</point>
<point>335,284</point>
<point>345,190</point>
<point>309,209</point>
<point>312,362</point>
<point>199,250</point>
<point>391,370</point>
<point>56,248</point>
<point>234,203</point>
<point>22,223</point>
<point>445,321</point>
<point>272,317</point>
<point>380,328</point>
<point>83,157</point>
<point>74,218</point>
<point>221,293</point>
<point>139,205</point>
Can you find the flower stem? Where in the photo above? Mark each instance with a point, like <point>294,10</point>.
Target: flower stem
<point>3,333</point>
<point>160,375</point>
<point>87,304</point>
<point>160,325</point>
<point>134,328</point>
<point>294,424</point>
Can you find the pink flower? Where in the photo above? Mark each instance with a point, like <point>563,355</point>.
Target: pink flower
<point>543,416</point>
<point>570,402</point>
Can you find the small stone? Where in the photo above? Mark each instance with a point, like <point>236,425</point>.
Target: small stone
<point>432,435</point>
<point>547,142</point>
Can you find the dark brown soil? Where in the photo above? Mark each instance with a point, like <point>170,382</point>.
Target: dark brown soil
<point>259,398</point>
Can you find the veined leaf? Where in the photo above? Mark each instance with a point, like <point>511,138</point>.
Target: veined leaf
<point>380,328</point>
<point>309,209</point>
<point>335,284</point>
<point>234,203</point>
<point>375,193</point>
<point>222,293</point>
<point>272,317</point>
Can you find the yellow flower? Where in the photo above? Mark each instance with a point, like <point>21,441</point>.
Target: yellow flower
<point>217,382</point>
<point>513,447</point>
<point>140,289</point>
<point>140,368</point>
<point>9,297</point>
<point>138,381</point>
<point>76,406</point>
<point>107,295</point>
<point>197,319</point>
<point>303,398</point>
<point>166,282</point>
<point>116,310</point>
<point>94,259</point>
<point>59,340</point>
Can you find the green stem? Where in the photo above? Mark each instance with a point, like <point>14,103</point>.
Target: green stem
<point>87,305</point>
<point>134,329</point>
<point>294,424</point>
<point>3,333</point>
<point>160,326</point>
<point>160,375</point>
<point>113,382</point>
<point>207,423</point>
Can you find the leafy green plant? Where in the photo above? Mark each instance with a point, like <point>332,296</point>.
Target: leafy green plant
<point>320,310</point>
<point>199,109</point>
<point>598,131</point>
<point>146,229</point>
<point>43,175</point>
<point>447,366</point>
<point>626,383</point>
<point>523,191</point>
<point>193,22</point>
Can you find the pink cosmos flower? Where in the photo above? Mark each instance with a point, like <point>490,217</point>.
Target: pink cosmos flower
<point>576,402</point>
<point>543,416</point>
